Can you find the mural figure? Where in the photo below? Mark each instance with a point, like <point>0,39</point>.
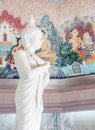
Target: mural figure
<point>18,46</point>
<point>75,40</point>
<point>34,76</point>
<point>87,43</point>
<point>46,52</point>
<point>53,35</point>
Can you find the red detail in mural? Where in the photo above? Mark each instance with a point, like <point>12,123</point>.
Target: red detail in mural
<point>4,37</point>
<point>15,22</point>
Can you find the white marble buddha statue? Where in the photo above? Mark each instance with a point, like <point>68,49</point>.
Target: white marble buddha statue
<point>34,76</point>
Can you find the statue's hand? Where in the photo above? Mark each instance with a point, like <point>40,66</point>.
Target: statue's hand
<point>47,64</point>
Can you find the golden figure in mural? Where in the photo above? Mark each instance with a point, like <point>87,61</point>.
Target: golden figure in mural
<point>46,52</point>
<point>87,41</point>
<point>75,40</point>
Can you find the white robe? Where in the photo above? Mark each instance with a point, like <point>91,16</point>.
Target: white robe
<point>28,98</point>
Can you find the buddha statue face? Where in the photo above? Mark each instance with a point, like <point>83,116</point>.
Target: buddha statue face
<point>36,40</point>
<point>31,36</point>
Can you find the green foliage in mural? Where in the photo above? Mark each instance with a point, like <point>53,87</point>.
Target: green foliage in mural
<point>66,56</point>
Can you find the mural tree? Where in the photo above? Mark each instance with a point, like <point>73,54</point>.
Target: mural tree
<point>66,56</point>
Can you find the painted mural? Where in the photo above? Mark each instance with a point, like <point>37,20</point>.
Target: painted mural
<point>70,49</point>
<point>77,49</point>
<point>10,29</point>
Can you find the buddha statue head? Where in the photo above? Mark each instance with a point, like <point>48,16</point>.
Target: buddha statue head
<point>31,36</point>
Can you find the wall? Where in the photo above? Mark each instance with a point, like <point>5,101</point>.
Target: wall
<point>57,11</point>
